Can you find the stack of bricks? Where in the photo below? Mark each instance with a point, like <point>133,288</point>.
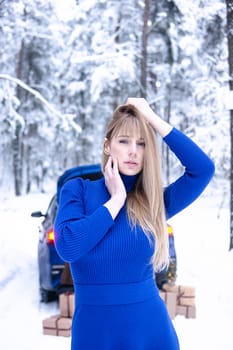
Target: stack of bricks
<point>180,300</point>
<point>60,325</point>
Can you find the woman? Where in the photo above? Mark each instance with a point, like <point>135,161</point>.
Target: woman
<point>112,231</point>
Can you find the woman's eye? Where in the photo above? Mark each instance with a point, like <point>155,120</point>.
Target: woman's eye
<point>123,141</point>
<point>142,144</point>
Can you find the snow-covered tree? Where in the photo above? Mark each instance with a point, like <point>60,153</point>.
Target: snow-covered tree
<point>229,7</point>
<point>59,72</point>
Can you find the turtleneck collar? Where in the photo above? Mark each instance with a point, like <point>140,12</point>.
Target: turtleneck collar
<point>129,181</point>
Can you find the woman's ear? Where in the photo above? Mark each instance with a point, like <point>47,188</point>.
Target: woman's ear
<point>106,146</point>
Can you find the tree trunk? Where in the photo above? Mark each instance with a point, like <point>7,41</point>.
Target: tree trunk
<point>117,41</point>
<point>168,108</point>
<point>17,141</point>
<point>229,4</point>
<point>17,157</point>
<point>143,79</point>
<point>28,168</point>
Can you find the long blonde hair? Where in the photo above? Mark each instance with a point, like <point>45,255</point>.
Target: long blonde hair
<point>145,204</point>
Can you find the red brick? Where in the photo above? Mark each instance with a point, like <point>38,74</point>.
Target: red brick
<point>187,301</point>
<point>186,291</point>
<point>181,310</point>
<point>64,304</point>
<point>50,331</point>
<point>171,304</point>
<point>51,322</point>
<point>168,287</point>
<point>64,323</point>
<point>191,312</point>
<point>64,332</point>
<point>71,305</point>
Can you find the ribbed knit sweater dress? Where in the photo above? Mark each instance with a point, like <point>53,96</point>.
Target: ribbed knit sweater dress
<point>117,304</point>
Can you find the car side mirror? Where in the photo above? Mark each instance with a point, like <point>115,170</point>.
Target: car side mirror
<point>37,214</point>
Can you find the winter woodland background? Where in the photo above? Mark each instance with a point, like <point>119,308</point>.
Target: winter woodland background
<point>64,67</point>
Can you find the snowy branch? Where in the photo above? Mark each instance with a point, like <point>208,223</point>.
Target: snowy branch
<point>32,91</point>
<point>41,99</point>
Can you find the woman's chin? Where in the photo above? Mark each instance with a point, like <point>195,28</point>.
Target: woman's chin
<point>129,171</point>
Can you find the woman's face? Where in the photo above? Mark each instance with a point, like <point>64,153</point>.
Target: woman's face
<point>129,152</point>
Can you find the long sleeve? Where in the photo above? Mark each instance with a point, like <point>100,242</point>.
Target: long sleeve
<point>75,232</point>
<point>199,170</point>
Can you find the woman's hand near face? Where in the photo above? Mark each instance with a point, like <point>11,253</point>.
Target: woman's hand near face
<point>115,187</point>
<point>161,126</point>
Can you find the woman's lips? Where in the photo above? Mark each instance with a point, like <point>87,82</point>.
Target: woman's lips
<point>131,164</point>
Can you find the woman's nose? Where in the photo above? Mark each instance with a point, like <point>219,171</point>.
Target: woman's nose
<point>132,148</point>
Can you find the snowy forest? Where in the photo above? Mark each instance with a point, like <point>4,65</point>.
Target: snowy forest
<point>65,65</point>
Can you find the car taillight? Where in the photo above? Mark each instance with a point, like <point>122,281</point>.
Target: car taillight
<point>50,236</point>
<point>169,230</point>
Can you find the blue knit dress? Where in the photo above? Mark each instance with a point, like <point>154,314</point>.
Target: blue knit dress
<point>117,303</point>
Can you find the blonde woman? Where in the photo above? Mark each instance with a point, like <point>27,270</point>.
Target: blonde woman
<point>112,231</point>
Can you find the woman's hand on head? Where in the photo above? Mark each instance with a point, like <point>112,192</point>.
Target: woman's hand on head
<point>143,106</point>
<point>139,102</point>
<point>160,125</point>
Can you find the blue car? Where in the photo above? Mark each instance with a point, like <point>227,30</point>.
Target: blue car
<point>51,266</point>
<point>54,273</point>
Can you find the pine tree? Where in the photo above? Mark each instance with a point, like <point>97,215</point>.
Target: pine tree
<point>229,4</point>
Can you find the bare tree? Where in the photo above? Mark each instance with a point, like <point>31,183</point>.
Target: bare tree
<point>229,4</point>
<point>17,142</point>
<point>143,78</point>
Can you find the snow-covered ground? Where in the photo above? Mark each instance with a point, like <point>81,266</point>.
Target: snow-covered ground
<point>202,240</point>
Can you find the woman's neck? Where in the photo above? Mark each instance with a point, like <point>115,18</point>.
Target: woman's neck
<point>129,181</point>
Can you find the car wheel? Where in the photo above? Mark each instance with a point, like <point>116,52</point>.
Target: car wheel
<point>46,295</point>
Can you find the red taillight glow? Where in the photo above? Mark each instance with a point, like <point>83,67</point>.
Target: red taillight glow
<point>50,236</point>
<point>169,230</point>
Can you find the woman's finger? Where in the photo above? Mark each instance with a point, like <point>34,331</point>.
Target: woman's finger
<point>109,163</point>
<point>115,165</point>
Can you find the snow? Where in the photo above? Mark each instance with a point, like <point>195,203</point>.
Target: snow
<point>64,9</point>
<point>204,261</point>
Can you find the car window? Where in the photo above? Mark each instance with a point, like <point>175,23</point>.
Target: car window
<point>52,208</point>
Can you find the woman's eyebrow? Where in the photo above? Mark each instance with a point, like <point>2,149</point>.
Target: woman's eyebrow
<point>128,136</point>
<point>123,136</point>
